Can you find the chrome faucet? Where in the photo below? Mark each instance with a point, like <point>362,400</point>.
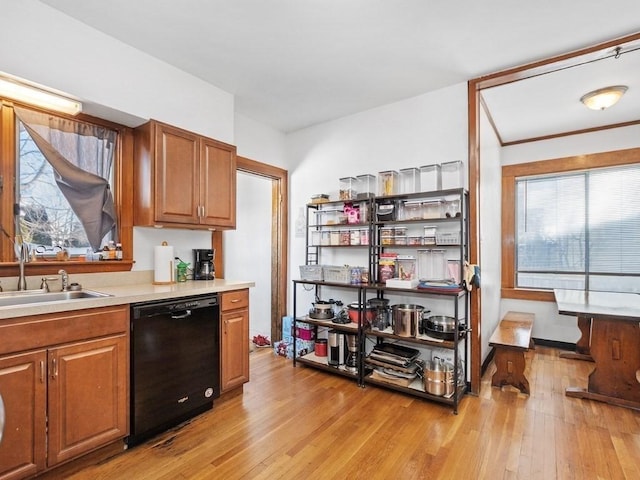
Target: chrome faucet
<point>65,279</point>
<point>23,257</point>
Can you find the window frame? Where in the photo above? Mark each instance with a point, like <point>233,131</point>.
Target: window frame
<point>122,192</point>
<point>508,219</point>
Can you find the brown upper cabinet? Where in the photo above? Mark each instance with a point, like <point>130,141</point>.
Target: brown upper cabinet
<point>182,179</point>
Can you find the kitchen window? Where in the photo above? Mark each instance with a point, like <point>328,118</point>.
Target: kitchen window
<point>572,223</point>
<point>65,171</point>
<point>68,198</point>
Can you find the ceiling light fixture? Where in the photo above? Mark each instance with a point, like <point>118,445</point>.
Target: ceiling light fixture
<point>31,95</point>
<point>603,97</point>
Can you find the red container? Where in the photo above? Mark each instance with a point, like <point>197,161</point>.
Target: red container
<point>369,313</point>
<point>321,347</point>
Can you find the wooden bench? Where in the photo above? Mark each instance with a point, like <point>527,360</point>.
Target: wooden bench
<point>511,339</point>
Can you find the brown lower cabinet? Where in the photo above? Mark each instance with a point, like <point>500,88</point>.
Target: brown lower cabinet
<point>66,395</point>
<point>234,339</point>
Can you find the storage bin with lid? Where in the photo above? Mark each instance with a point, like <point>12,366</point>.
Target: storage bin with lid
<point>409,180</point>
<point>432,209</point>
<point>348,188</point>
<point>452,175</point>
<point>430,178</point>
<point>366,186</point>
<point>451,206</point>
<point>412,210</point>
<point>388,183</point>
<point>432,264</point>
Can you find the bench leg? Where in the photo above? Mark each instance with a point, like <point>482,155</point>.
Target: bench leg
<point>510,366</point>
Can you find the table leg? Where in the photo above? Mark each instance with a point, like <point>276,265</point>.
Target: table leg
<point>615,347</point>
<point>583,346</point>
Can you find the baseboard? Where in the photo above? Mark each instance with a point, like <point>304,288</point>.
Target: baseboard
<point>538,341</point>
<point>555,344</point>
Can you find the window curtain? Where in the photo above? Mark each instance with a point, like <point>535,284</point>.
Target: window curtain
<point>82,157</point>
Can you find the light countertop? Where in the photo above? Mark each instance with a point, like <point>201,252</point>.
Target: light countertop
<point>125,293</point>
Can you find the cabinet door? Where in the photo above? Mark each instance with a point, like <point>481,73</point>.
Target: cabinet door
<point>87,396</point>
<point>177,172</point>
<point>218,183</point>
<point>23,387</point>
<point>235,349</point>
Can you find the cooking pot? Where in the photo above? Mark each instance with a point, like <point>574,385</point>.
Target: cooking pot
<point>440,326</point>
<point>438,377</point>
<point>382,312</point>
<point>368,311</point>
<point>322,310</point>
<point>405,318</point>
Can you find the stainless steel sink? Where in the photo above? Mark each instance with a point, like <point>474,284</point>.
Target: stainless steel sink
<point>27,297</point>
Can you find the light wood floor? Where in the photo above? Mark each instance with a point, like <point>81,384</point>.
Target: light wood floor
<point>301,423</point>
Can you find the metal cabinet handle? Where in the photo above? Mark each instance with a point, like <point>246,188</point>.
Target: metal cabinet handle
<point>235,300</point>
<point>42,374</point>
<point>2,418</point>
<point>54,368</point>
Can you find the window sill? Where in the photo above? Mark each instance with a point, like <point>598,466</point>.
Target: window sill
<point>528,294</point>
<point>10,269</point>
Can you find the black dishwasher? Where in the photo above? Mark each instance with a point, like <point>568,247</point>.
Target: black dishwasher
<point>175,362</point>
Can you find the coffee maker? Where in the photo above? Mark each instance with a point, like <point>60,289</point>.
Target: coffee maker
<point>203,267</point>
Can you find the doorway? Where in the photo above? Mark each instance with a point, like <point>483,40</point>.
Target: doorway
<point>257,249</point>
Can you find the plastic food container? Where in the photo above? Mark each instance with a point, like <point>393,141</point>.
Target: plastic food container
<point>348,188</point>
<point>452,175</point>
<point>413,210</point>
<point>388,183</point>
<point>430,178</point>
<point>387,232</point>
<point>335,237</point>
<point>432,209</point>
<point>366,186</point>
<point>409,180</point>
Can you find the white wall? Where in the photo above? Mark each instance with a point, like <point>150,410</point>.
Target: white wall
<point>549,325</point>
<point>260,142</point>
<point>490,233</point>
<point>427,129</point>
<point>119,83</point>
<point>42,45</point>
<point>248,248</point>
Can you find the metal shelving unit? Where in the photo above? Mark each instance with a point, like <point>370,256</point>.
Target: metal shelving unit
<point>459,296</point>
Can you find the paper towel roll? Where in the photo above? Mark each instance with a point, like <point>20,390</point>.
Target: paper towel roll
<point>163,272</point>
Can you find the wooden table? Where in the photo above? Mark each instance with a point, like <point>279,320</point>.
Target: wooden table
<point>614,344</point>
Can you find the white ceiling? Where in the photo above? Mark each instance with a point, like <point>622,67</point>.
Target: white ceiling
<point>296,63</point>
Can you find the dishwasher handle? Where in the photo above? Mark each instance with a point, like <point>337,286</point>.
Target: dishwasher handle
<point>187,313</point>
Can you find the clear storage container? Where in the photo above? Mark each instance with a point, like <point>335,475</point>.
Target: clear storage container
<point>452,175</point>
<point>388,183</point>
<point>366,186</point>
<point>412,210</point>
<point>432,265</point>
<point>452,207</point>
<point>430,178</point>
<point>409,180</point>
<point>406,268</point>
<point>432,209</point>
<point>348,188</point>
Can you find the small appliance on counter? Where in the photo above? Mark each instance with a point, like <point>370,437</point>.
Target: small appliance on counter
<point>203,267</point>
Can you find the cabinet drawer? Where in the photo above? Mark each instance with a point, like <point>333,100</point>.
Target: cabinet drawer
<point>29,333</point>
<point>234,300</point>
